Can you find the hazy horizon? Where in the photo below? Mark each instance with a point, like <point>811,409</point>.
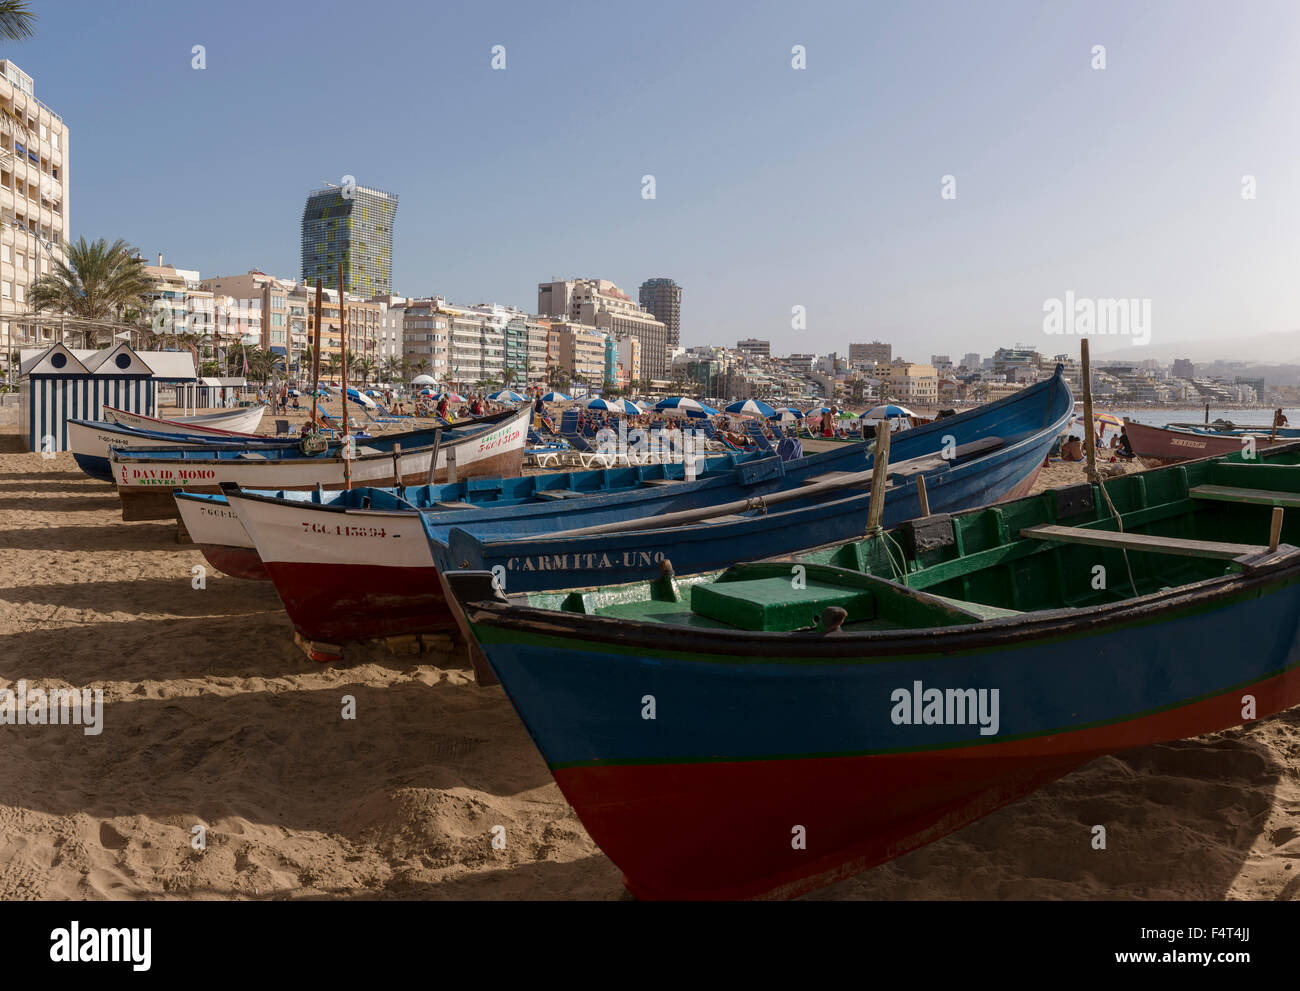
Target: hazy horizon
<point>775,187</point>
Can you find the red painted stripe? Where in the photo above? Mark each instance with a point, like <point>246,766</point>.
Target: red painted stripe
<point>724,830</point>
<point>359,602</point>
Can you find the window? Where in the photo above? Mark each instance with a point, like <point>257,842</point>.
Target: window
<point>6,290</point>
<point>6,255</point>
<point>19,293</point>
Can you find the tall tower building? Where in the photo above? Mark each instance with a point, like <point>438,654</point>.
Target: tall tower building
<point>352,225</point>
<point>33,209</point>
<point>663,298</point>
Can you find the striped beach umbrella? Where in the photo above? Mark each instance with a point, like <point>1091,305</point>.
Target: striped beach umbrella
<point>684,406</point>
<point>752,407</point>
<point>358,398</point>
<point>886,412</point>
<point>624,406</point>
<point>788,413</point>
<point>507,396</point>
<point>451,397</point>
<point>556,397</point>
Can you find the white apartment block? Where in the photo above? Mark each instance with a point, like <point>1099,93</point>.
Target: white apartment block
<point>34,222</point>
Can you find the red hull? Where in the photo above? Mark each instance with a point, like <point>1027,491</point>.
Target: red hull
<point>1157,446</point>
<point>724,830</point>
<point>237,562</point>
<point>360,602</point>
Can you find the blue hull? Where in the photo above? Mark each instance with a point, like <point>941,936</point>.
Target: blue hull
<point>531,562</point>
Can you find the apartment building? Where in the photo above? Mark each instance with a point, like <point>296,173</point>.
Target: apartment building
<point>910,383</point>
<point>579,351</point>
<point>256,303</point>
<point>392,311</point>
<point>425,344</point>
<point>34,209</point>
<point>600,304</point>
<point>755,348</point>
<point>876,351</point>
<point>178,302</point>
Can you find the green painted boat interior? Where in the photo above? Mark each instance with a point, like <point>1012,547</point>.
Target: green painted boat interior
<point>978,566</point>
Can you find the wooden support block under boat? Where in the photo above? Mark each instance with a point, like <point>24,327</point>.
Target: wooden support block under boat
<point>1144,542</point>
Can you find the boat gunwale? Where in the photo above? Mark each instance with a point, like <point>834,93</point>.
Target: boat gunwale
<point>120,455</point>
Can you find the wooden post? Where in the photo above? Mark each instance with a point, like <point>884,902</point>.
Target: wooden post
<point>397,465</point>
<point>1090,439</point>
<point>1275,528</point>
<point>433,458</point>
<point>922,495</point>
<point>879,474</point>
<point>343,337</point>
<point>1207,413</point>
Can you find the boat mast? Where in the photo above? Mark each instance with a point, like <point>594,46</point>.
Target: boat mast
<point>315,358</point>
<point>343,338</point>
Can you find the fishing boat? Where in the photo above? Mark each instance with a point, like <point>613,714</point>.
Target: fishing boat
<point>213,523</point>
<point>345,573</point>
<point>491,445</point>
<point>782,725</point>
<point>91,443</point>
<point>243,420</point>
<point>1157,446</point>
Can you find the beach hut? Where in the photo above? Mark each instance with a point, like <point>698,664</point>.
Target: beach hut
<point>58,384</point>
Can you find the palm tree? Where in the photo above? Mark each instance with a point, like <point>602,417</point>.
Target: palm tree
<point>330,364</point>
<point>99,281</point>
<point>16,21</point>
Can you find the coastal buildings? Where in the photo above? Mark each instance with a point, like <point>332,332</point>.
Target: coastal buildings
<point>34,213</point>
<point>352,225</point>
<point>178,303</point>
<point>663,299</point>
<point>599,304</point>
<point>755,348</point>
<point>257,306</point>
<point>578,351</point>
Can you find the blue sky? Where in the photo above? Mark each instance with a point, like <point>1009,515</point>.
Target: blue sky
<point>774,187</point>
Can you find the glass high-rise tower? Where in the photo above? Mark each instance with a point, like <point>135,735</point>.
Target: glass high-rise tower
<point>352,225</point>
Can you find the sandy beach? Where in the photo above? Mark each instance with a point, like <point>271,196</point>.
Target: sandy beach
<point>213,718</point>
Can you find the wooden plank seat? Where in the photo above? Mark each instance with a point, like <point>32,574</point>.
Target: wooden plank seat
<point>553,494</point>
<point>1252,497</point>
<point>453,504</point>
<point>660,481</point>
<point>1144,542</point>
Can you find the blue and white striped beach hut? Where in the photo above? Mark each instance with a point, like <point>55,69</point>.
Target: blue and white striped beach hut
<point>58,385</point>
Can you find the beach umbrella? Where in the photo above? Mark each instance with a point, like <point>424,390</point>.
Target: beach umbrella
<point>507,396</point>
<point>624,406</point>
<point>1105,419</point>
<point>373,392</point>
<point>845,415</point>
<point>684,406</point>
<point>556,397</point>
<point>752,407</point>
<point>294,392</point>
<point>886,412</point>
<point>424,380</point>
<point>787,413</point>
<point>428,392</point>
<point>451,397</point>
<point>358,398</point>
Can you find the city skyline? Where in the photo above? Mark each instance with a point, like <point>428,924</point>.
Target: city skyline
<point>774,187</point>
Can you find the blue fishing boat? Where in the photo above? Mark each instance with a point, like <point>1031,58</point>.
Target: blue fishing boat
<point>991,453</point>
<point>781,725</point>
<point>92,441</point>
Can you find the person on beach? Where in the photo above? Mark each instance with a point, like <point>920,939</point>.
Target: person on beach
<point>1279,420</point>
<point>1125,447</point>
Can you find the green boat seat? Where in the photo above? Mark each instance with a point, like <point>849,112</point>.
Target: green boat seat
<point>775,605</point>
